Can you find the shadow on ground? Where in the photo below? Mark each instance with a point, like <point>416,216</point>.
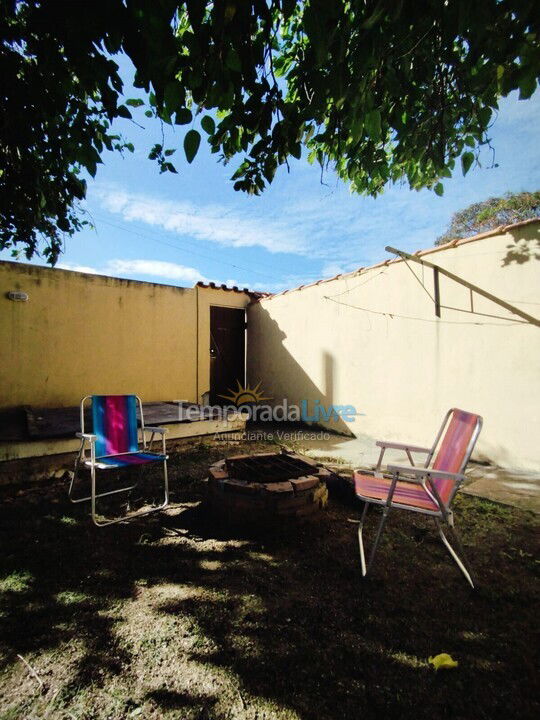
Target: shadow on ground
<point>175,616</point>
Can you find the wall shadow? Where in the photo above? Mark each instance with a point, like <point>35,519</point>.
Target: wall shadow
<point>523,248</point>
<point>296,377</point>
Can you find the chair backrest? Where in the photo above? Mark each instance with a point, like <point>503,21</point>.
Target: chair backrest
<point>455,449</point>
<point>115,424</point>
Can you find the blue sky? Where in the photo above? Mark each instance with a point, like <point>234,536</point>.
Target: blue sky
<point>178,229</point>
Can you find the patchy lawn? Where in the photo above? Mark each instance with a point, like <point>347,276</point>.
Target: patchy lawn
<point>172,616</point>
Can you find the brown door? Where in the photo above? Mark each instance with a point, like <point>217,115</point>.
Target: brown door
<point>227,352</point>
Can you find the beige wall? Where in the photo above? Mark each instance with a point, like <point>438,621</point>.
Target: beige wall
<point>81,334</point>
<point>405,372</point>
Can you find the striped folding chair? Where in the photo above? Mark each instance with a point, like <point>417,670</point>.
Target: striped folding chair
<point>114,444</point>
<point>429,489</point>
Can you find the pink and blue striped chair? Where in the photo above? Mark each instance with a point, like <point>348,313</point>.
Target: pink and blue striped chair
<point>114,445</point>
<point>429,489</point>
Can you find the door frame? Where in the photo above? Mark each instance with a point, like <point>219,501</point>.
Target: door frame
<point>230,307</point>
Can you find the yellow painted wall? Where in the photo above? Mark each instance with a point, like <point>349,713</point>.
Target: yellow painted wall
<point>82,334</point>
<point>392,359</point>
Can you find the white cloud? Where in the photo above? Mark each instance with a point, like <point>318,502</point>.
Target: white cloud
<point>207,222</point>
<point>150,268</point>
<point>78,268</point>
<point>155,268</point>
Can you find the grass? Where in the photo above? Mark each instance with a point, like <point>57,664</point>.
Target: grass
<point>174,616</point>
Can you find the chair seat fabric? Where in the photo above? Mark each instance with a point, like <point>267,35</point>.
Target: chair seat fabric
<point>377,488</point>
<point>128,460</point>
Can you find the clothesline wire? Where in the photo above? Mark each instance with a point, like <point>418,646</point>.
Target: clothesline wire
<point>411,317</point>
<point>424,288</point>
<point>348,290</point>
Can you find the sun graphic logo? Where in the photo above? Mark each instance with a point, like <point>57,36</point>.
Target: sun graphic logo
<point>246,395</point>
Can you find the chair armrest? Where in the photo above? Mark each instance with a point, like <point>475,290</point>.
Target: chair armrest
<point>159,430</point>
<point>419,472</point>
<point>402,446</point>
<point>86,436</point>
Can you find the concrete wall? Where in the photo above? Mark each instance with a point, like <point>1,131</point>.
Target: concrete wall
<point>372,340</point>
<point>81,334</point>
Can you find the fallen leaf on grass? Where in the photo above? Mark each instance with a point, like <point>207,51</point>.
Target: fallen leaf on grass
<point>443,661</point>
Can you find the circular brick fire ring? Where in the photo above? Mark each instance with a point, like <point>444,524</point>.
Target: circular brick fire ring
<point>268,485</point>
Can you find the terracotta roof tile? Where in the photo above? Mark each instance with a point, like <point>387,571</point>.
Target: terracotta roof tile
<point>501,229</point>
<point>213,286</point>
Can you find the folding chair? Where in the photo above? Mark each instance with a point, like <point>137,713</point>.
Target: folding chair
<point>114,444</point>
<point>430,489</point>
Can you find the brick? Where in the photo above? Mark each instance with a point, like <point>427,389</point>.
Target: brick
<point>304,458</point>
<point>241,487</point>
<point>304,483</point>
<point>324,472</point>
<point>286,502</point>
<point>239,457</point>
<point>279,487</point>
<point>243,503</point>
<point>307,510</point>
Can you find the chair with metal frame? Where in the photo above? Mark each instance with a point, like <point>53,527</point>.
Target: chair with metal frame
<point>429,489</point>
<point>114,444</point>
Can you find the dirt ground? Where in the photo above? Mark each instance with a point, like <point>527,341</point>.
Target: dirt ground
<point>178,616</point>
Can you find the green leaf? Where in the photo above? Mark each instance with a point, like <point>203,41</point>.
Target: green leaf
<point>484,115</point>
<point>122,111</point>
<point>469,140</point>
<point>296,150</point>
<point>233,60</point>
<point>191,144</point>
<point>439,189</point>
<point>467,160</point>
<point>149,113</point>
<point>134,102</point>
<point>527,86</point>
<point>372,123</point>
<point>173,96</point>
<point>208,125</point>
<point>357,128</point>
<point>183,116</point>
<point>169,152</point>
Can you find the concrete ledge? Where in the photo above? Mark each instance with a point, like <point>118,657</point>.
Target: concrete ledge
<point>29,461</point>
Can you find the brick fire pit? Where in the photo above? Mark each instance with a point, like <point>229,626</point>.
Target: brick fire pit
<point>268,485</point>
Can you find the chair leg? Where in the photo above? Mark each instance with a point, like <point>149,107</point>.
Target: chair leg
<point>385,512</point>
<point>135,515</point>
<point>74,477</point>
<point>165,485</point>
<point>360,540</point>
<point>375,542</point>
<point>462,564</point>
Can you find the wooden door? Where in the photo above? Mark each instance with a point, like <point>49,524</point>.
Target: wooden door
<point>227,352</point>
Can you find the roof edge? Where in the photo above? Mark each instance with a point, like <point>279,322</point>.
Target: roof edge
<point>450,245</point>
<point>214,286</point>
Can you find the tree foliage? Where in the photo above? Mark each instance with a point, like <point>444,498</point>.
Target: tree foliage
<point>489,214</point>
<point>383,90</point>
